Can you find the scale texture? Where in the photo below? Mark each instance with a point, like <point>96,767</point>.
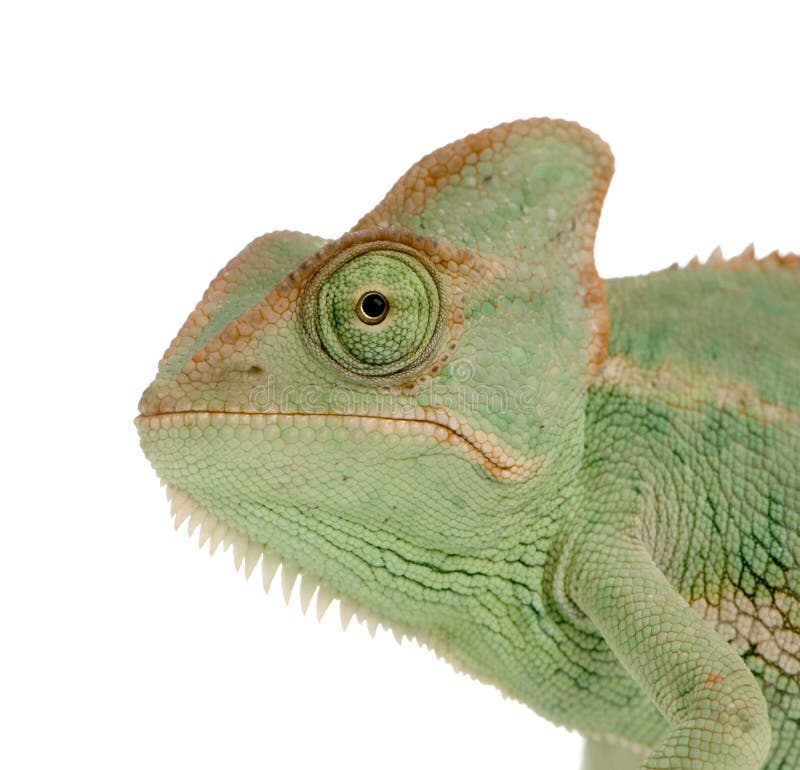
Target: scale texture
<point>584,492</point>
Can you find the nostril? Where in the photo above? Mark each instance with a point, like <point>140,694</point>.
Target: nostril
<point>255,370</point>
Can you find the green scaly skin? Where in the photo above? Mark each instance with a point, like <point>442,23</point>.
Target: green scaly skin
<point>598,516</point>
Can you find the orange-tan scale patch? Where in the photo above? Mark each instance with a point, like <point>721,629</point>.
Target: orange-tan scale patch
<point>594,300</point>
<point>713,680</point>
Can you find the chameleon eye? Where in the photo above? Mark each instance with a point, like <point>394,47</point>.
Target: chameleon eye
<point>372,308</point>
<point>374,313</point>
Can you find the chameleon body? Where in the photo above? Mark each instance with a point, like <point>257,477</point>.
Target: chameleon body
<point>584,492</point>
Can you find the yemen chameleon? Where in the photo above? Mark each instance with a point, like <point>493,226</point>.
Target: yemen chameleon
<point>584,492</point>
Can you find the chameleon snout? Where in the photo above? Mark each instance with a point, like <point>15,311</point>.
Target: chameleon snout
<point>219,390</point>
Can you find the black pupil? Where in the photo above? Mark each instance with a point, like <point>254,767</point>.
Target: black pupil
<point>373,305</point>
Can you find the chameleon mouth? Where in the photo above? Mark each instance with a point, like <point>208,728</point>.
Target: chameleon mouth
<point>442,429</point>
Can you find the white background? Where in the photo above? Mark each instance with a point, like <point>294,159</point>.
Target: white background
<point>143,144</point>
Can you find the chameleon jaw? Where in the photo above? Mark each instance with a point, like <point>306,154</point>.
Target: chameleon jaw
<point>248,553</point>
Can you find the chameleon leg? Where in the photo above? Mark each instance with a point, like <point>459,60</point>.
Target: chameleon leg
<point>600,755</point>
<point>713,704</point>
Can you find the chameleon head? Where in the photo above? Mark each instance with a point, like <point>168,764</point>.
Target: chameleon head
<point>375,410</point>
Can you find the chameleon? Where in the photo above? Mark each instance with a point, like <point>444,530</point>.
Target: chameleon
<point>584,492</point>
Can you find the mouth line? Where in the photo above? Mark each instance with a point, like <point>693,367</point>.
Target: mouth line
<point>481,447</point>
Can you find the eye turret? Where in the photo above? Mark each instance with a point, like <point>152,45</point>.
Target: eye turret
<point>375,311</point>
